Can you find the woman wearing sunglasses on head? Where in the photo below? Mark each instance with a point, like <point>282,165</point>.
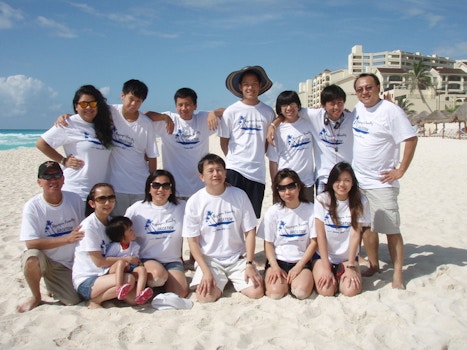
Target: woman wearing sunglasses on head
<point>86,140</point>
<point>287,230</point>
<point>340,212</point>
<point>157,221</point>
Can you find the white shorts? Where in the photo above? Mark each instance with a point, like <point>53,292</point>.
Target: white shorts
<point>384,209</point>
<point>222,274</point>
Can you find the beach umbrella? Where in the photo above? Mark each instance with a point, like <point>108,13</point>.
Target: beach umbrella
<point>418,118</point>
<point>438,117</point>
<point>461,112</point>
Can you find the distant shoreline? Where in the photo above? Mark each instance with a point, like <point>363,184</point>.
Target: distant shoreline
<point>19,138</point>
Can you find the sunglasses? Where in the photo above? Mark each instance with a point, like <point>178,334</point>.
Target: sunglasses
<point>85,104</point>
<point>51,176</point>
<point>364,88</point>
<point>290,186</point>
<point>165,185</point>
<point>103,199</point>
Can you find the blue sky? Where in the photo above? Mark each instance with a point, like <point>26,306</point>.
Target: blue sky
<point>49,48</point>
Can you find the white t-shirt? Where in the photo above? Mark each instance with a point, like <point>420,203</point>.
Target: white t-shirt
<point>42,220</point>
<point>220,222</point>
<point>158,230</point>
<point>330,146</point>
<point>116,250</point>
<point>182,150</point>
<point>94,240</point>
<point>378,132</point>
<point>128,168</point>
<point>246,127</point>
<point>338,236</point>
<point>79,139</point>
<point>290,230</point>
<point>294,149</point>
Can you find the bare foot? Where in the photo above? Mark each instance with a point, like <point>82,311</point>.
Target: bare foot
<point>29,305</point>
<point>370,271</point>
<point>363,261</point>
<point>93,305</point>
<point>398,281</point>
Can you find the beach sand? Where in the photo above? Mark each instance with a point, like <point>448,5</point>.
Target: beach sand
<point>430,314</point>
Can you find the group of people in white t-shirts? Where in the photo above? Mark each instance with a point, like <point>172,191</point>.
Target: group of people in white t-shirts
<point>334,180</point>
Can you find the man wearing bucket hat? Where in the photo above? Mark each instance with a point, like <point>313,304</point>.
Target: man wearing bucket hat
<point>242,131</point>
<point>50,229</point>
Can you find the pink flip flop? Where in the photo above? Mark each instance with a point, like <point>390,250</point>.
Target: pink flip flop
<point>144,296</point>
<point>123,291</point>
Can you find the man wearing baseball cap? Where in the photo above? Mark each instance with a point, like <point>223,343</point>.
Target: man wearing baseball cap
<point>242,131</point>
<point>50,229</point>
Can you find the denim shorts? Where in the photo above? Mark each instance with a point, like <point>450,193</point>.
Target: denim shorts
<point>173,265</point>
<point>85,288</point>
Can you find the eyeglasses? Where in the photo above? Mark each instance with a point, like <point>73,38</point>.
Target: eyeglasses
<point>85,104</point>
<point>165,185</point>
<point>290,186</point>
<point>364,88</point>
<point>103,199</point>
<point>291,105</point>
<point>51,176</point>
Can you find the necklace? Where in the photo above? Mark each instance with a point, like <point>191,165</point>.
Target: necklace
<point>334,129</point>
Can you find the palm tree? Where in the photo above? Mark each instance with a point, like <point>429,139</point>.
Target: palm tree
<point>419,77</point>
<point>406,105</point>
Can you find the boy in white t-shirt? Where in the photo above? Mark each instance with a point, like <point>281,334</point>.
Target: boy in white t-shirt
<point>220,225</point>
<point>189,141</point>
<point>135,152</point>
<point>242,131</point>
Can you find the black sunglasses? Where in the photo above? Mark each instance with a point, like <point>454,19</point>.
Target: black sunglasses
<point>165,185</point>
<point>290,186</point>
<point>51,176</point>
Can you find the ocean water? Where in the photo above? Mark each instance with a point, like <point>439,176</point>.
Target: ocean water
<point>17,138</point>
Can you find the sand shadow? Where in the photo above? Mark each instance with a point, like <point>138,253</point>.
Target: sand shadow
<point>419,261</point>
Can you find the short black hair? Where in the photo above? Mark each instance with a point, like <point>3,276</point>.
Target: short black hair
<point>116,228</point>
<point>285,98</point>
<point>136,87</point>
<point>331,93</point>
<point>185,93</point>
<point>210,158</point>
<point>363,75</point>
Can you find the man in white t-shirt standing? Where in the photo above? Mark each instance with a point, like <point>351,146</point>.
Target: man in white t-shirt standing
<point>242,131</point>
<point>220,225</point>
<point>50,229</point>
<point>134,155</point>
<point>379,128</point>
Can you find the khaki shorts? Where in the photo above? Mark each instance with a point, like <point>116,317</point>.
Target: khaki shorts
<point>384,209</point>
<point>222,274</point>
<point>57,277</point>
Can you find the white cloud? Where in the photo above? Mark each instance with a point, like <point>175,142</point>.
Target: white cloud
<point>8,15</point>
<point>59,29</point>
<point>105,90</point>
<point>25,96</point>
<point>270,96</point>
<point>454,51</point>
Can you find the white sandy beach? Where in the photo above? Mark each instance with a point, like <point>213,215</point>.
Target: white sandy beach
<point>430,314</point>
